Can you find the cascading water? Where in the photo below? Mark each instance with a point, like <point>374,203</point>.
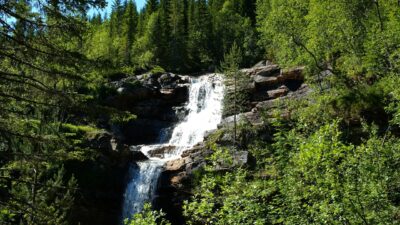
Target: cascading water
<point>204,114</point>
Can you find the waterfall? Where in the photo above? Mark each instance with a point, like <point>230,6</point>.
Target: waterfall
<point>204,114</point>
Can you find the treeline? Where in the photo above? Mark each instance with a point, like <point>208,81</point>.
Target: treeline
<point>178,35</point>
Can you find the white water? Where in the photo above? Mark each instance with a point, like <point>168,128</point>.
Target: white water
<point>204,114</point>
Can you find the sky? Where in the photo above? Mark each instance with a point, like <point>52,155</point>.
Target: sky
<point>139,4</point>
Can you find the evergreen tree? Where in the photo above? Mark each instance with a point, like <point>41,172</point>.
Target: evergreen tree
<point>129,29</point>
<point>151,6</point>
<point>199,34</point>
<point>164,33</point>
<point>177,47</point>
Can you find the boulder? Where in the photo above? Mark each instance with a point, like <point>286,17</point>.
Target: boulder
<point>241,158</point>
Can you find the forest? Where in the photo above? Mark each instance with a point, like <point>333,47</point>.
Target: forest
<point>331,157</point>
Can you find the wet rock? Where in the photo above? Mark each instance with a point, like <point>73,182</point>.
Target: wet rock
<point>195,151</point>
<point>161,151</point>
<point>137,155</point>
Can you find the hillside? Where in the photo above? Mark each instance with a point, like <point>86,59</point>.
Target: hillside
<point>200,112</point>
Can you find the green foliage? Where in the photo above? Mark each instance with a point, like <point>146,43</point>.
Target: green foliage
<point>122,118</point>
<point>78,129</point>
<point>327,181</point>
<point>237,94</point>
<point>157,70</point>
<point>179,35</point>
<point>228,199</point>
<point>147,217</point>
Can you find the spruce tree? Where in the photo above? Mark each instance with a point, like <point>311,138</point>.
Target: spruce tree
<point>199,34</point>
<point>177,47</point>
<point>129,30</point>
<point>151,6</point>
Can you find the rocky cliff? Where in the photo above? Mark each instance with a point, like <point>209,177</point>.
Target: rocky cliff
<point>158,100</point>
<point>268,86</point>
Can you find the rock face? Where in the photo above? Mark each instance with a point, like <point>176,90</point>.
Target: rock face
<point>154,98</point>
<point>175,182</point>
<point>269,86</point>
<point>101,180</point>
<point>270,82</point>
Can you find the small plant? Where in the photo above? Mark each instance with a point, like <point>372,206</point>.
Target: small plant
<point>157,70</point>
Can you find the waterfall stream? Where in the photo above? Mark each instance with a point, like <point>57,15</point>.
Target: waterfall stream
<point>204,114</point>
